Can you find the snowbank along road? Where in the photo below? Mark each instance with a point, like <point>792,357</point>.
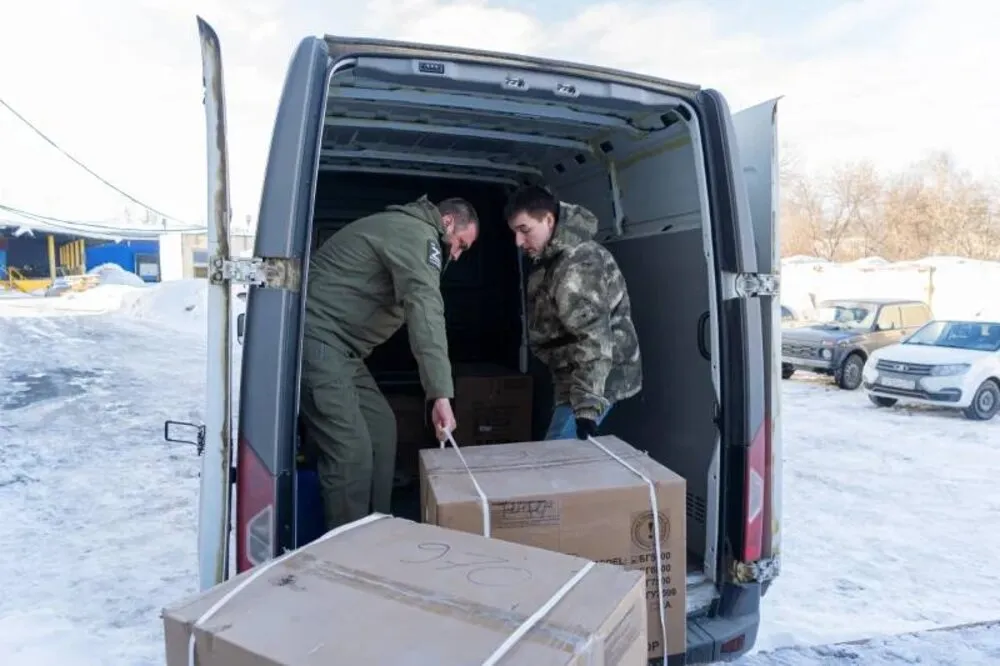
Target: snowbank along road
<point>885,530</point>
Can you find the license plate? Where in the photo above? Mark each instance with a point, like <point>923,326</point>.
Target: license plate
<point>893,382</point>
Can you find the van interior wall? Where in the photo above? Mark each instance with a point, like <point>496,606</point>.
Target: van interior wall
<point>480,290</point>
<point>661,253</point>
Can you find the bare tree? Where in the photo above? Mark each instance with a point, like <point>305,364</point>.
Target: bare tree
<point>851,211</point>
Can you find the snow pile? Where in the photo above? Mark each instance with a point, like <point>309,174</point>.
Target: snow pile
<point>115,274</point>
<point>102,299</point>
<point>954,287</point>
<point>179,305</point>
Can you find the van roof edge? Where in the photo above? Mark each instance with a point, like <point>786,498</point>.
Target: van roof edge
<point>340,46</point>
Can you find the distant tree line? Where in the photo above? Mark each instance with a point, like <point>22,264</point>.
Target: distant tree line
<point>854,211</point>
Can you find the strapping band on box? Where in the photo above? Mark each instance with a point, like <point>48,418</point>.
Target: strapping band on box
<point>260,571</point>
<point>499,653</point>
<point>537,616</point>
<point>484,503</point>
<point>654,507</point>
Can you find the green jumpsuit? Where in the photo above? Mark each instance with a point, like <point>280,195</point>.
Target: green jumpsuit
<point>364,282</point>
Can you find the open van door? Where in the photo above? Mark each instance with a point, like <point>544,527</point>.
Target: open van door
<point>757,141</point>
<point>215,497</point>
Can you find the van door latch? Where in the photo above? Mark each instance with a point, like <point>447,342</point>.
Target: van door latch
<point>274,272</point>
<point>750,285</point>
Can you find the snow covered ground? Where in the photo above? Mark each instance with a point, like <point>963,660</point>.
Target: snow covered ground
<point>887,523</point>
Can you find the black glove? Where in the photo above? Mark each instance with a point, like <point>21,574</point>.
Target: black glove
<point>585,428</point>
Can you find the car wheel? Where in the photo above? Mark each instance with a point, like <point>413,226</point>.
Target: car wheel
<point>849,374</point>
<point>985,403</point>
<point>880,401</point>
<point>787,371</point>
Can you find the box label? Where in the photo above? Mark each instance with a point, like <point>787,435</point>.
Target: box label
<point>513,514</point>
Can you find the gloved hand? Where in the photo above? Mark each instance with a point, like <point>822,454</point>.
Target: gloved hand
<point>585,428</point>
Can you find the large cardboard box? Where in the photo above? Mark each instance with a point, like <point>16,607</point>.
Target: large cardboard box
<point>389,591</point>
<point>572,497</point>
<point>492,404</point>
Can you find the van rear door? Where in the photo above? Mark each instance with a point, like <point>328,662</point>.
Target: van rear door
<point>265,465</point>
<point>741,414</point>
<point>757,138</point>
<point>215,493</point>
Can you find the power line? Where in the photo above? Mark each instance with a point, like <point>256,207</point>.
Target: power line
<point>82,165</point>
<point>91,227</point>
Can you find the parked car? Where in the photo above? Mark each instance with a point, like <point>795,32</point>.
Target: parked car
<point>946,363</point>
<point>792,318</point>
<point>844,335</point>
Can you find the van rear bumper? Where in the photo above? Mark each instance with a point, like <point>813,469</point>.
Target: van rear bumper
<point>727,635</point>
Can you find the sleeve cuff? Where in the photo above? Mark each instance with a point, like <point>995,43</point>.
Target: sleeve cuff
<point>590,413</point>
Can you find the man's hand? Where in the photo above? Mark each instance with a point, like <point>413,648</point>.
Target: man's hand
<point>443,418</point>
<point>585,428</point>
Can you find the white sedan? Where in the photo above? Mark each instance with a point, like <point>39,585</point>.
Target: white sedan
<point>945,364</point>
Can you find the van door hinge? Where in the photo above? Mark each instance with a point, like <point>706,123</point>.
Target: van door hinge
<point>749,285</point>
<point>760,571</point>
<point>276,273</point>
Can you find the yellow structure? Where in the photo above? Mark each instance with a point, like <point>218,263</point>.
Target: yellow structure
<point>72,259</point>
<point>69,259</point>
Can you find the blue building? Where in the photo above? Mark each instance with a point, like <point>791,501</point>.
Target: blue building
<point>34,256</point>
<point>141,257</point>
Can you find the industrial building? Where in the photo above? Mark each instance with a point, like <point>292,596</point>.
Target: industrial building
<point>34,257</point>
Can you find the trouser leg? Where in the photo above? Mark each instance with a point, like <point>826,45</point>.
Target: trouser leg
<point>562,425</point>
<point>563,422</point>
<point>381,423</point>
<point>335,425</point>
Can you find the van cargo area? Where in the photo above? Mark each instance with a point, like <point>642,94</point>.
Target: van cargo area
<point>391,137</point>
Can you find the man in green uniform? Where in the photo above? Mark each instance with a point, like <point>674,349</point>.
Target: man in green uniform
<point>364,282</point>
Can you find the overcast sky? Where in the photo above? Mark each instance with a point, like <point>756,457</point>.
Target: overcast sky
<point>117,83</point>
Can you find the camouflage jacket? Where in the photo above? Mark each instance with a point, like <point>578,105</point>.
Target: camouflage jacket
<point>579,318</point>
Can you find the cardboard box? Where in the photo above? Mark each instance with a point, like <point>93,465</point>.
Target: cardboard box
<point>390,591</point>
<point>570,496</point>
<point>492,405</point>
<point>413,432</point>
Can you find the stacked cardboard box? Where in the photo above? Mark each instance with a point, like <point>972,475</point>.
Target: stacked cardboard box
<point>389,591</point>
<point>492,405</point>
<point>577,498</point>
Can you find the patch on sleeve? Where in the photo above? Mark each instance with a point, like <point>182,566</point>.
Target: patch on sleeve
<point>434,253</point>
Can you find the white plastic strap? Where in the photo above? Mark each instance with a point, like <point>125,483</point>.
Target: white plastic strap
<point>260,571</point>
<point>536,617</point>
<point>654,507</point>
<point>484,503</point>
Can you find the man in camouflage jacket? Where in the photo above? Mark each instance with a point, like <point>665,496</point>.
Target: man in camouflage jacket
<point>579,315</point>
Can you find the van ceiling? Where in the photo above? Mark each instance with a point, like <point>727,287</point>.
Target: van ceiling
<point>378,126</point>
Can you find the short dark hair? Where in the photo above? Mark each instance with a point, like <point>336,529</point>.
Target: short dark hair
<point>461,210</point>
<point>534,200</point>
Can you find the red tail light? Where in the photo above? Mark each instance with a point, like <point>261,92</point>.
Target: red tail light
<point>754,499</point>
<point>254,510</point>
